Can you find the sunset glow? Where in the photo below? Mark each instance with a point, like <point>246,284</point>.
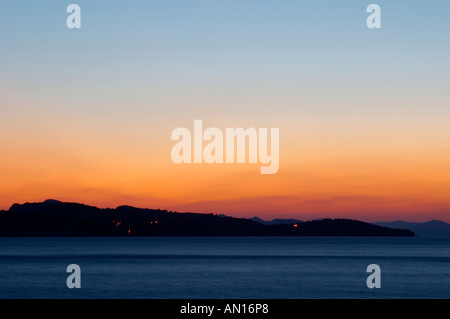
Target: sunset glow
<point>364,129</point>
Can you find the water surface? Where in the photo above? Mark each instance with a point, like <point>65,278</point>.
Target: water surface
<point>230,267</point>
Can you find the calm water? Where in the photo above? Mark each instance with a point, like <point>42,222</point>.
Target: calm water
<point>256,267</point>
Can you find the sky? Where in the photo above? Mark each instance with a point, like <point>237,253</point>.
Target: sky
<point>86,114</point>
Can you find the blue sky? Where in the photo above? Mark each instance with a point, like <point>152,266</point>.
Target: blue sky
<point>200,41</point>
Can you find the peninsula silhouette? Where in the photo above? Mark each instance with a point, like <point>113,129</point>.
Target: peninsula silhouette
<point>56,218</point>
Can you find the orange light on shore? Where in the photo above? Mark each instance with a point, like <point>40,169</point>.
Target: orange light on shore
<point>295,225</point>
<point>129,231</point>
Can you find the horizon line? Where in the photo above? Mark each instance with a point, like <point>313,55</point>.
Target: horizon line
<point>206,213</point>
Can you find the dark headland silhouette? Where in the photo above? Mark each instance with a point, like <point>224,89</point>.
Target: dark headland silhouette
<point>55,218</point>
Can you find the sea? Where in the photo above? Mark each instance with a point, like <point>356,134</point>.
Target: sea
<point>224,267</point>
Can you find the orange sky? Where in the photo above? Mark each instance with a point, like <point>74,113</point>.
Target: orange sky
<point>363,184</point>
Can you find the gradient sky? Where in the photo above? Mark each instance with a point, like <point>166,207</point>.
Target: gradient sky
<point>86,115</point>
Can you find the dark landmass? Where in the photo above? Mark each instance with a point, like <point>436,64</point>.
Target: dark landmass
<point>55,218</point>
<point>433,228</point>
<point>276,221</point>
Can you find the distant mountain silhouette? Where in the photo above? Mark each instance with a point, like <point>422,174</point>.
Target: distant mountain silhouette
<point>277,221</point>
<point>433,228</point>
<point>55,218</point>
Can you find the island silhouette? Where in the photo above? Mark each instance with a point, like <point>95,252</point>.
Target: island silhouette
<point>56,218</point>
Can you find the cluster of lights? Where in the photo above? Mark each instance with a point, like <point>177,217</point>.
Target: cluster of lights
<point>118,223</point>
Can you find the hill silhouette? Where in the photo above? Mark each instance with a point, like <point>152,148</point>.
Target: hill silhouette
<point>432,228</point>
<point>55,218</point>
<point>276,221</point>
